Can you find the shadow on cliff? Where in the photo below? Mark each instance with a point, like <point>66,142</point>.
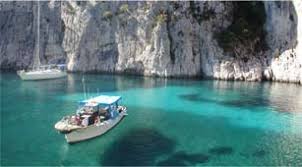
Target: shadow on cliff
<point>92,54</point>
<point>119,31</point>
<point>18,29</point>
<point>108,32</point>
<point>289,12</point>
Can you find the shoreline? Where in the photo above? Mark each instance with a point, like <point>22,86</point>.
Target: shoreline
<point>196,77</point>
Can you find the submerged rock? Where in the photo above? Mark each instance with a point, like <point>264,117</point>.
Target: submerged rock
<point>221,150</point>
<point>172,162</point>
<point>184,159</point>
<point>259,153</point>
<point>138,147</point>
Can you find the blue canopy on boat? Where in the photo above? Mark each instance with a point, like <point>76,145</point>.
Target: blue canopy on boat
<point>102,99</point>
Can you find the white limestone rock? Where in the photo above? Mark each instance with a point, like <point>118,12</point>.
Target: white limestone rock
<point>167,39</point>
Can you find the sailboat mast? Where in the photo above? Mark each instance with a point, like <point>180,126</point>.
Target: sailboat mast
<point>38,34</point>
<point>84,88</point>
<point>37,54</point>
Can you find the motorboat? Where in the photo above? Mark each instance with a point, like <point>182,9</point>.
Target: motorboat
<point>94,117</point>
<point>43,72</point>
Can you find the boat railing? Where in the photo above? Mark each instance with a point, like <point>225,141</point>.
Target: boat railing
<point>121,108</point>
<point>61,67</point>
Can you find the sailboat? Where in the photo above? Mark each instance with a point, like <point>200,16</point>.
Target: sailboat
<point>40,72</point>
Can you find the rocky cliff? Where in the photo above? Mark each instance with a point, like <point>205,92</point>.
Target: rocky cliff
<point>225,40</point>
<point>18,29</point>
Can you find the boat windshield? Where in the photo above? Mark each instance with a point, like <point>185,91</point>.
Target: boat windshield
<point>86,109</point>
<point>92,109</point>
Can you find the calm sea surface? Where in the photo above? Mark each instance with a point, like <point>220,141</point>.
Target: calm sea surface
<point>170,122</point>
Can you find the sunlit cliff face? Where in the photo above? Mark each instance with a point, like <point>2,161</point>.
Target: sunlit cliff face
<point>299,28</point>
<point>166,39</point>
<point>284,34</point>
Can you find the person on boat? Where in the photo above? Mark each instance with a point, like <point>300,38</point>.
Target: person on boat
<point>96,120</point>
<point>78,120</point>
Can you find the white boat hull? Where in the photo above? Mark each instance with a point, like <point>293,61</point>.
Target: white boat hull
<point>64,127</point>
<point>40,75</point>
<point>93,130</point>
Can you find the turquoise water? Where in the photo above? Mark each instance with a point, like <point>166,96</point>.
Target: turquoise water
<point>170,122</point>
